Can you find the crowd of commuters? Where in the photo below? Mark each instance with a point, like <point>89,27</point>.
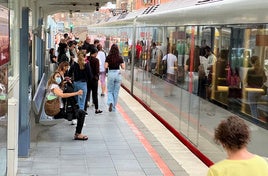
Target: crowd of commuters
<point>80,66</point>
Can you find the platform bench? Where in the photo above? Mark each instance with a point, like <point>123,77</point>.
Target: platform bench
<point>38,105</point>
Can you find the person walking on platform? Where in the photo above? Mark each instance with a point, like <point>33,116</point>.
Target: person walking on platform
<point>55,91</point>
<point>81,73</point>
<point>113,62</point>
<point>93,83</point>
<point>102,57</point>
<point>234,135</point>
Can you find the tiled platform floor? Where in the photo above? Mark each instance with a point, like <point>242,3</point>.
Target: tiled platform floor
<point>123,143</point>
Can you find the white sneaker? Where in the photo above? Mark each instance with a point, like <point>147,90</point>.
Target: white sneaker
<point>74,122</point>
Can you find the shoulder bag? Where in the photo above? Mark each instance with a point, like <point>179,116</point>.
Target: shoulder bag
<point>52,107</point>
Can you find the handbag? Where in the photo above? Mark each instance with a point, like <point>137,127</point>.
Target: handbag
<point>52,106</point>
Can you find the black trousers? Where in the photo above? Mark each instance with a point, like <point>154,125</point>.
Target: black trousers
<point>92,85</point>
<point>78,114</point>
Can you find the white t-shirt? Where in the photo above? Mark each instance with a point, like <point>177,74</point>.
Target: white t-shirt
<point>211,59</point>
<point>102,57</point>
<point>204,62</point>
<point>52,95</point>
<point>171,59</point>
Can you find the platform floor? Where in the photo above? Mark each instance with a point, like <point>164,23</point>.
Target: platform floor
<point>123,143</point>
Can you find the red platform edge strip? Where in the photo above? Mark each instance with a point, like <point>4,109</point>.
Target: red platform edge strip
<point>153,153</point>
<point>187,143</point>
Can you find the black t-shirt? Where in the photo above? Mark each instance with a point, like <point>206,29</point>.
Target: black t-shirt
<point>51,58</point>
<point>114,62</point>
<point>78,74</point>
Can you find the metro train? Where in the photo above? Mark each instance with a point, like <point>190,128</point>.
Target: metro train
<point>236,26</point>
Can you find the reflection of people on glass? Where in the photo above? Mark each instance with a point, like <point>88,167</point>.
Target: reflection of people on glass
<point>3,99</point>
<point>234,135</point>
<point>171,62</point>
<point>255,79</point>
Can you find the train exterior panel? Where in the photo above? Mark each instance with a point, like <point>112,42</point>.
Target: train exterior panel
<point>234,30</point>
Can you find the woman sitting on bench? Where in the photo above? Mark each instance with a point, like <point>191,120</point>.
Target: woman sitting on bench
<point>55,90</point>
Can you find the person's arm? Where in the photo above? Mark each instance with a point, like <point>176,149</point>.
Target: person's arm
<point>54,58</point>
<point>176,65</point>
<point>186,68</point>
<point>59,93</point>
<point>106,65</point>
<point>98,67</point>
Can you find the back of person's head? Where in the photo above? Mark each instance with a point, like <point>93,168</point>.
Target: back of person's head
<point>96,41</point>
<point>81,60</point>
<point>62,65</point>
<point>89,48</point>
<point>114,50</point>
<point>232,133</point>
<point>99,47</point>
<point>208,49</point>
<point>255,61</point>
<point>93,50</point>
<point>65,35</point>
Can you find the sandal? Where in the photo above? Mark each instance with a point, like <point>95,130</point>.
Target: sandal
<point>80,137</point>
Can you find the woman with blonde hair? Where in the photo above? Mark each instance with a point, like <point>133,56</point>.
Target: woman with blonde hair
<point>81,73</point>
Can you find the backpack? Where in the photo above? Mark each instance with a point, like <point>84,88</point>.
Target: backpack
<point>70,104</point>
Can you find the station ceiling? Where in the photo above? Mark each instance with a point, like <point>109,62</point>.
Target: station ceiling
<point>54,6</point>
